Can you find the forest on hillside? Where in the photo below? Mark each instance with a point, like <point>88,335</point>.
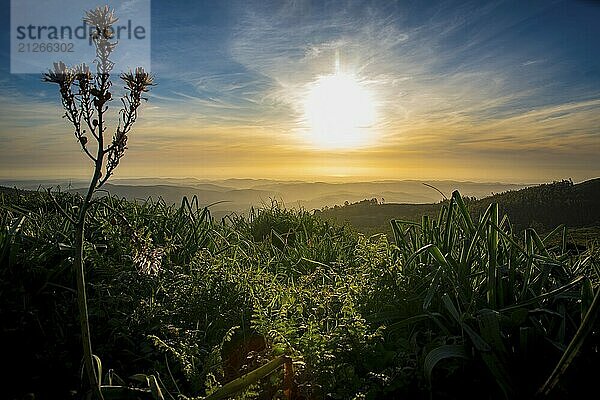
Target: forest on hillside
<point>542,207</point>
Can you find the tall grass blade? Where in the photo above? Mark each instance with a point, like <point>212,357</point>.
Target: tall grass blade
<point>497,358</point>
<point>442,353</point>
<point>464,212</point>
<point>571,352</point>
<point>492,257</point>
<point>244,381</point>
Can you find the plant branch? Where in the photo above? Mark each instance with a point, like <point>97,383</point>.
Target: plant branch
<point>62,210</point>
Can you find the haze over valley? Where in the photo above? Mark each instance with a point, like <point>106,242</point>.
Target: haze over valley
<point>239,195</point>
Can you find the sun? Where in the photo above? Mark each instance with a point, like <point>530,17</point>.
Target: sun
<point>339,111</point>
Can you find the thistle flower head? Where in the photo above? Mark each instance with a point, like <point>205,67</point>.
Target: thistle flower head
<point>138,81</point>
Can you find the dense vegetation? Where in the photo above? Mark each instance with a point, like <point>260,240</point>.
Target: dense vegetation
<point>542,207</point>
<point>460,305</point>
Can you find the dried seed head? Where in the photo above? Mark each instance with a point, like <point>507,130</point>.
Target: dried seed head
<point>82,73</point>
<point>138,81</point>
<point>148,260</point>
<point>60,74</point>
<point>101,17</point>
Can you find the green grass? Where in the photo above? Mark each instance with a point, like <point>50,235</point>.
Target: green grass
<point>456,305</point>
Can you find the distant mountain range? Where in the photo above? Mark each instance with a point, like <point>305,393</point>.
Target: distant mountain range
<point>238,195</point>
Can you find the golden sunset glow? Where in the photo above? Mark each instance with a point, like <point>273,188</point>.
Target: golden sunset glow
<point>313,90</point>
<point>339,111</point>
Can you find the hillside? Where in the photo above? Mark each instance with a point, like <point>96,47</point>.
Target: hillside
<point>543,207</point>
<point>546,206</point>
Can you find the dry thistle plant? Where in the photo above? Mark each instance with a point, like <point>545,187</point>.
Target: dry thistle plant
<point>85,97</point>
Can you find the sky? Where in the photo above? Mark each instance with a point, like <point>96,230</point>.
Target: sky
<point>464,90</point>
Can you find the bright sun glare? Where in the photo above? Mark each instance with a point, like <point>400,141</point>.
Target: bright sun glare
<point>339,110</point>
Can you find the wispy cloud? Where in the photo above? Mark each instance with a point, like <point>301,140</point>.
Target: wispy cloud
<point>453,81</point>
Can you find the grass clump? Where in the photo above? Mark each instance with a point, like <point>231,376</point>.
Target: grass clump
<point>451,307</point>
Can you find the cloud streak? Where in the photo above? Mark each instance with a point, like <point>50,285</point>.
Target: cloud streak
<point>454,81</point>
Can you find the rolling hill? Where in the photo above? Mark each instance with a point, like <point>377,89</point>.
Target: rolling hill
<point>542,207</point>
